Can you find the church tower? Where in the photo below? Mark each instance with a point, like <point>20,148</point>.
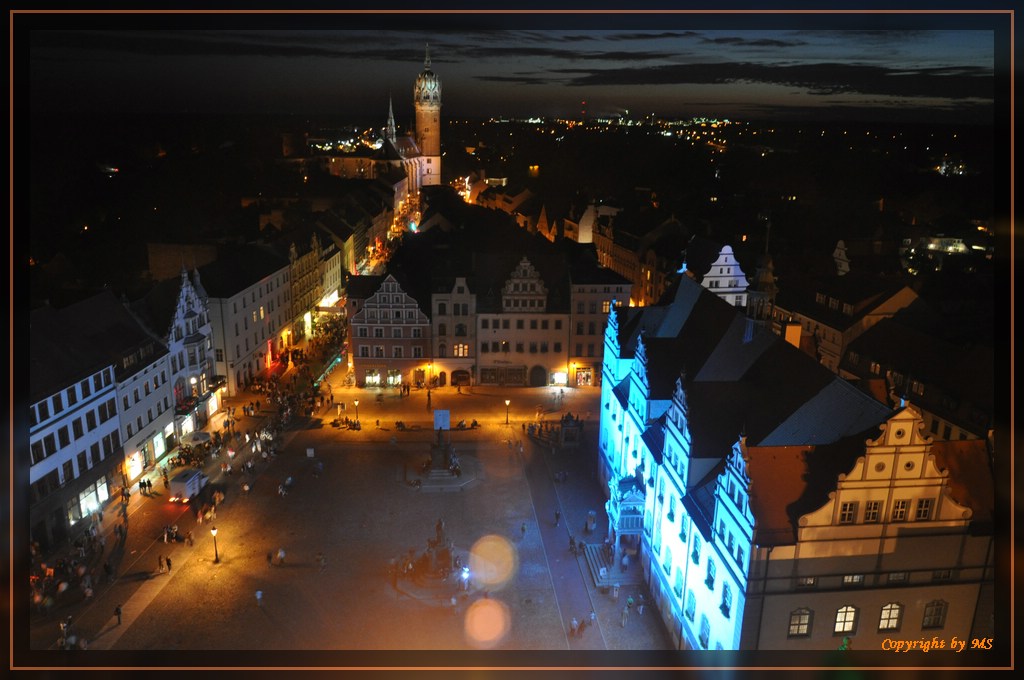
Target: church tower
<point>427,98</point>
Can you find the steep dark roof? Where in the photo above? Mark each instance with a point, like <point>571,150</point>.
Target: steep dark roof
<point>157,307</point>
<point>81,339</point>
<point>965,373</point>
<point>239,268</point>
<point>863,291</point>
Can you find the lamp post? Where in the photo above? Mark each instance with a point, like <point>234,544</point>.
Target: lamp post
<point>216,555</point>
<point>356,402</point>
<point>507,402</point>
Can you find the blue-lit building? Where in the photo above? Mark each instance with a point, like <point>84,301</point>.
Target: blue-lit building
<point>771,505</point>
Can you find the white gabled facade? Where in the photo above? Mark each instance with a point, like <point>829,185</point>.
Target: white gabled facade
<point>726,280</point>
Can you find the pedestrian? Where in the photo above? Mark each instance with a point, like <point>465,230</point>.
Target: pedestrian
<point>574,627</point>
<point>583,625</point>
<point>270,558</point>
<point>629,602</point>
<point>625,615</point>
<point>259,598</point>
<point>593,617</point>
<point>161,563</point>
<point>168,565</point>
<point>108,571</point>
<point>189,539</point>
<point>321,560</point>
<point>117,613</point>
<point>522,530</point>
<point>280,556</point>
<point>558,516</point>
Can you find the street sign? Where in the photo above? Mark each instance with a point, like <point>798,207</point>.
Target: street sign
<point>442,420</point>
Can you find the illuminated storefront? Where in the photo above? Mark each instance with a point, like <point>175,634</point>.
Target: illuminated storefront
<point>88,501</point>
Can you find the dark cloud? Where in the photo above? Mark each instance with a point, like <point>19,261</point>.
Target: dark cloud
<point>746,42</point>
<point>651,36</point>
<point>823,78</point>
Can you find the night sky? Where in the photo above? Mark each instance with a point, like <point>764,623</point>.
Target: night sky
<point>881,67</point>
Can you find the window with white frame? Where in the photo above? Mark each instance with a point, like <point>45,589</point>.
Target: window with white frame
<point>890,617</point>
<point>846,620</point>
<point>848,512</point>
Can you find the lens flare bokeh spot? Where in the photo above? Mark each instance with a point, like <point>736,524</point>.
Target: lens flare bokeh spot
<point>487,623</point>
<point>492,562</point>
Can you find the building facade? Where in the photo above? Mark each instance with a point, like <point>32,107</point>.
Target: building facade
<point>390,338</point>
<point>248,296</point>
<point>740,476</point>
<point>454,323</point>
<point>594,292</point>
<point>522,343</point>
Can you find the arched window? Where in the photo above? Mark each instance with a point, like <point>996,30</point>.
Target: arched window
<point>442,351</point>
<point>800,622</point>
<point>705,631</point>
<point>846,620</point>
<point>891,615</point>
<point>442,329</point>
<point>935,614</point>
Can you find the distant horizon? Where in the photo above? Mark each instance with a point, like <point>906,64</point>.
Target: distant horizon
<point>828,67</point>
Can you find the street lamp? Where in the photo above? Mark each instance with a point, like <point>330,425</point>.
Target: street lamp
<point>507,402</point>
<point>356,402</point>
<point>216,555</point>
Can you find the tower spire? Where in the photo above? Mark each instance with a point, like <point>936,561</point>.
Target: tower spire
<point>426,62</point>
<point>391,133</point>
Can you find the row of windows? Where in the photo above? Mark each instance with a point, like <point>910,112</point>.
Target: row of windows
<point>520,324</point>
<point>371,314</point>
<point>890,618</point>
<point>505,346</point>
<point>893,578</point>
<point>848,511</point>
<point>50,444</point>
<point>591,328</point>
<point>606,306</point>
<point>160,408</point>
<point>157,382</point>
<point>458,309</point>
<point>378,332</point>
<point>40,412</point>
<point>397,352</point>
<point>269,287</point>
<point>507,303</point>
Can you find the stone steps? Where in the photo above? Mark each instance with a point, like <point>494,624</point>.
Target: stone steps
<point>595,556</point>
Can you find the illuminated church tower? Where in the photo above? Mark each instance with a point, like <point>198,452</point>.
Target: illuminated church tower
<point>427,98</point>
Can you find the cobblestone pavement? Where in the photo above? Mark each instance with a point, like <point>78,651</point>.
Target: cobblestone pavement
<point>360,512</point>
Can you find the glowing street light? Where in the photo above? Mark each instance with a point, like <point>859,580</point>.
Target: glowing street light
<point>216,555</point>
<point>507,402</point>
<point>356,402</point>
